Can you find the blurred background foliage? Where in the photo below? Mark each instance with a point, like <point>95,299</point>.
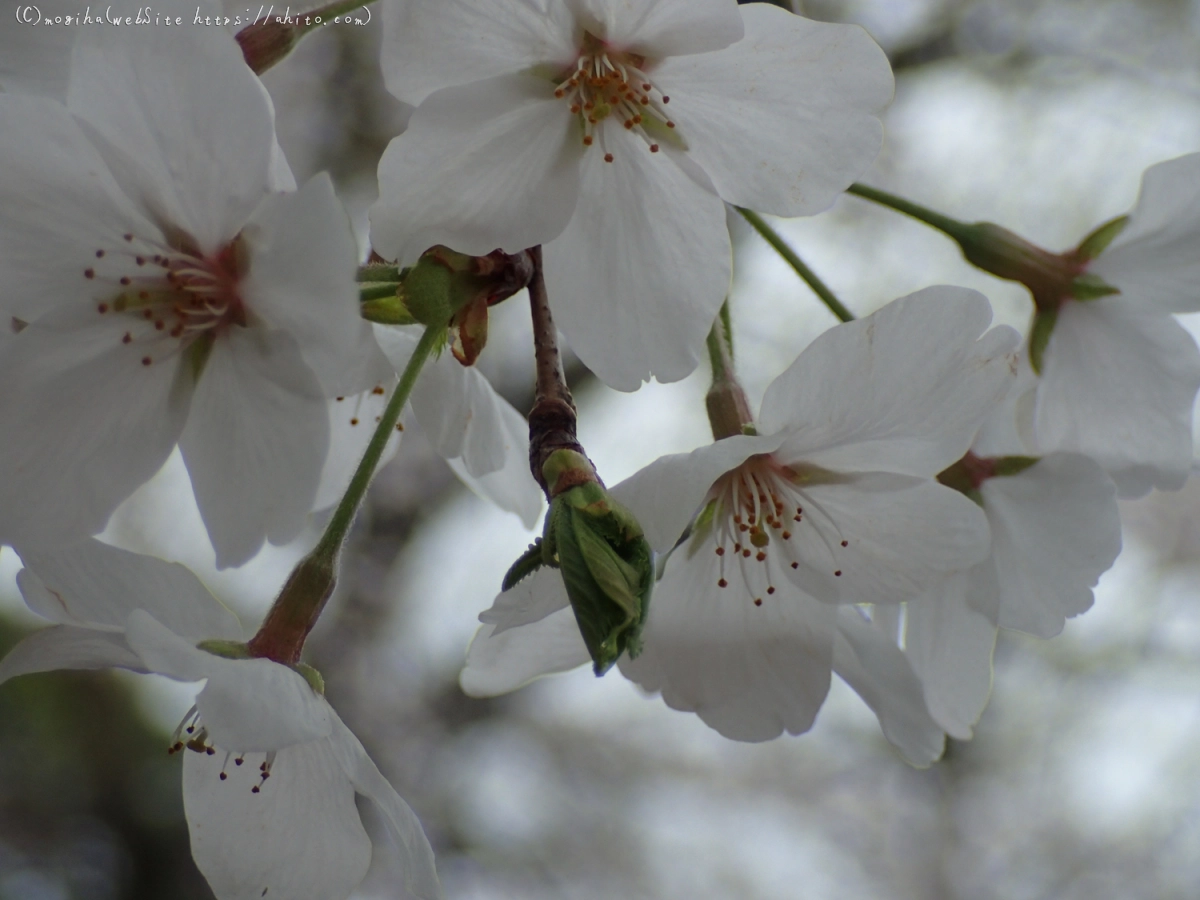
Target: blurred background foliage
<point>1083,779</point>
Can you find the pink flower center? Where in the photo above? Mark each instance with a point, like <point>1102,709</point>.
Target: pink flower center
<point>168,296</point>
<point>609,84</point>
<point>760,508</point>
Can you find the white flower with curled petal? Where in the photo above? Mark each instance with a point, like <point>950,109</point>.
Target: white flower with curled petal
<point>1120,374</point>
<point>165,293</point>
<point>832,504</point>
<point>269,790</point>
<point>613,132</point>
<point>1055,529</point>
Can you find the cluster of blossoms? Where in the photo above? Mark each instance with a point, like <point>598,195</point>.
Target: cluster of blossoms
<point>912,482</point>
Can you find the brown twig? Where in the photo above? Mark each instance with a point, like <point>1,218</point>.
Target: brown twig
<point>552,419</point>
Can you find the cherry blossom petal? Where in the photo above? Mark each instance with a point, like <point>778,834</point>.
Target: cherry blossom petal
<point>299,837</point>
<point>255,442</point>
<point>420,873</point>
<point>93,584</point>
<point>1055,530</point>
<point>658,28</point>
<point>1118,385</point>
<point>504,662</point>
<point>949,641</point>
<point>901,535</point>
<point>529,600</point>
<point>645,304</point>
<point>301,280</point>
<point>1156,259</point>
<point>512,487</point>
<point>750,672</point>
<point>191,141</point>
<point>666,495</point>
<point>433,44</point>
<point>69,204</point>
<point>93,424</point>
<point>879,673</point>
<point>483,166</point>
<point>248,705</point>
<point>784,119</point>
<point>68,647</point>
<point>904,389</point>
<point>34,57</point>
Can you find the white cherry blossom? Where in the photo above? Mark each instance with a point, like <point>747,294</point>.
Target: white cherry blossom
<point>1055,529</point>
<point>165,293</point>
<point>833,504</point>
<point>270,772</point>
<point>1120,374</point>
<point>614,133</point>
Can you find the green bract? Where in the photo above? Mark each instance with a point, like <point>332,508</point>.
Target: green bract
<point>606,564</point>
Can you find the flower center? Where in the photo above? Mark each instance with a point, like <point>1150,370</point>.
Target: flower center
<point>190,734</point>
<point>757,504</point>
<point>169,296</point>
<point>612,85</point>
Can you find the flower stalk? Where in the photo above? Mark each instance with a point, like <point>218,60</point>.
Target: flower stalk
<point>728,409</point>
<point>299,605</point>
<point>267,42</point>
<point>772,237</point>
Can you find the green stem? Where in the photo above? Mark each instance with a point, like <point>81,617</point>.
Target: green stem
<point>295,611</point>
<point>719,344</point>
<point>953,227</point>
<point>379,272</point>
<point>810,277</point>
<point>377,291</point>
<point>343,516</point>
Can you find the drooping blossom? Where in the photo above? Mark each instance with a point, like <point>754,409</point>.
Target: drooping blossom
<point>165,292</point>
<point>270,771</point>
<point>614,133</point>
<point>1055,529</point>
<point>1120,374</point>
<point>830,509</point>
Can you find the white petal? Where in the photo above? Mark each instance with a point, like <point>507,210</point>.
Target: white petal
<point>460,413</point>
<point>488,165</point>
<point>784,119</point>
<point>667,494</point>
<point>949,642</point>
<point>84,423</point>
<point>504,662</point>
<point>66,647</point>
<point>902,534</point>
<point>351,426</point>
<point>34,56</point>
<point>299,838</point>
<point>432,44</point>
<point>659,28</point>
<point>303,257</point>
<point>1117,385</point>
<point>879,673</point>
<point>1055,530</point>
<point>750,672</point>
<point>248,705</point>
<point>529,600</point>
<point>255,442</point>
<point>1156,259</point>
<point>185,126</point>
<point>639,274</point>
<point>93,584</point>
<point>420,873</point>
<point>511,487</point>
<point>903,390</point>
<point>70,207</point>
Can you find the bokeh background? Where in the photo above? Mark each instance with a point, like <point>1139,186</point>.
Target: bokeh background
<point>1083,779</point>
